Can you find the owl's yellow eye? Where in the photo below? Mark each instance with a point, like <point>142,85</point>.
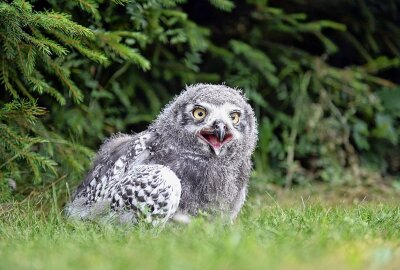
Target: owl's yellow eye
<point>199,113</point>
<point>235,116</point>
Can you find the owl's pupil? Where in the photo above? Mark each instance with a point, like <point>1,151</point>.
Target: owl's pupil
<point>200,113</point>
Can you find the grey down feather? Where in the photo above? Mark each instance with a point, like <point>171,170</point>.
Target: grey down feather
<point>195,157</point>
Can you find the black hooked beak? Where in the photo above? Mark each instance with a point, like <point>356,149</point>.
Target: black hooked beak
<point>219,131</point>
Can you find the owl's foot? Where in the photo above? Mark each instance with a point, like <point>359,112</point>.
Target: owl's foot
<point>181,218</point>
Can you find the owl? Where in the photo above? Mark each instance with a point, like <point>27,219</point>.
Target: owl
<point>195,157</point>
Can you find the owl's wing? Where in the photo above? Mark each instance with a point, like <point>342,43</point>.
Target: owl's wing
<point>144,192</point>
<point>120,186</point>
<point>116,152</point>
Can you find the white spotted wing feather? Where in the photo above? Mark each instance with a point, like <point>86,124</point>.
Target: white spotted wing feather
<point>126,190</point>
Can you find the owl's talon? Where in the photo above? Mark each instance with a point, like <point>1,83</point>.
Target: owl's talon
<point>181,218</point>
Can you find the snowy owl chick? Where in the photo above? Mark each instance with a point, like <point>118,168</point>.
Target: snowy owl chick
<point>195,157</point>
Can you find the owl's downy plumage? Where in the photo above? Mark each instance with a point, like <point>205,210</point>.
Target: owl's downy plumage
<point>196,156</point>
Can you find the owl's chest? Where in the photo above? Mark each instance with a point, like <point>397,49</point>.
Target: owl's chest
<point>205,186</point>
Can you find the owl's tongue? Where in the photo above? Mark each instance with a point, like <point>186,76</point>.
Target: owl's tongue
<point>214,142</point>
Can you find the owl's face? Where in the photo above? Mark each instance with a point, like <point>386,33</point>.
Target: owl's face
<point>215,126</point>
<point>212,120</point>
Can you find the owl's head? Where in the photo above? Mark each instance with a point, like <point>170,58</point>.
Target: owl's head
<point>212,120</point>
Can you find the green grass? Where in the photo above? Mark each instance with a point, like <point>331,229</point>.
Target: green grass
<point>291,233</point>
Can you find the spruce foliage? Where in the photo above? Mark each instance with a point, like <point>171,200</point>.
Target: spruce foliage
<point>323,80</point>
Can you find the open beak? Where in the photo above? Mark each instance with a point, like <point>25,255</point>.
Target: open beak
<point>219,131</point>
<point>216,137</point>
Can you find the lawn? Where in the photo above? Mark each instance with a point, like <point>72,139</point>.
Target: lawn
<point>290,231</point>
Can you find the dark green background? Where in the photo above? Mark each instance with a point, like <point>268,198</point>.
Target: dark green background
<point>322,76</point>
